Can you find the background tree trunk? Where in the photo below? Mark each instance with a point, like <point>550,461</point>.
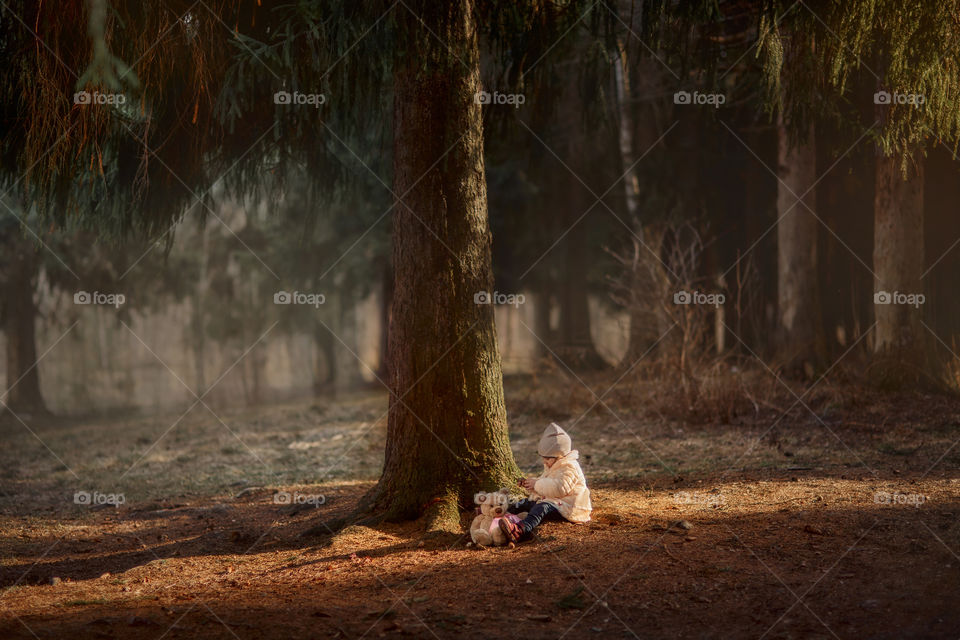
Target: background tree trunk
<point>447,428</point>
<point>386,301</point>
<point>801,339</point>
<point>350,367</point>
<point>325,372</point>
<point>638,341</point>
<point>542,306</point>
<point>575,346</point>
<point>574,340</point>
<point>631,183</point>
<point>199,321</point>
<point>898,253</point>
<point>20,312</point>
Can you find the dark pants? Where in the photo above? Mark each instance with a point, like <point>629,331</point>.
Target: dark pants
<point>537,513</point>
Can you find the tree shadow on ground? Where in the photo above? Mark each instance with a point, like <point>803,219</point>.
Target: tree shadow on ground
<point>873,571</point>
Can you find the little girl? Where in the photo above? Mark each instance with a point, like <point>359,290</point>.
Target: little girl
<point>560,491</point>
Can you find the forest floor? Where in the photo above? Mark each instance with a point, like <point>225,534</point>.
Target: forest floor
<point>835,517</point>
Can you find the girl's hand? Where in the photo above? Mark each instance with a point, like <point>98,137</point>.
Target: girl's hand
<point>528,483</point>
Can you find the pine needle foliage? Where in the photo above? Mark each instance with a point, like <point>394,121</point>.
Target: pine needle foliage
<point>906,48</point>
<point>198,82</point>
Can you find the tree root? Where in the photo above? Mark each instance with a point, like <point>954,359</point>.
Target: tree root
<point>325,529</point>
<point>441,518</point>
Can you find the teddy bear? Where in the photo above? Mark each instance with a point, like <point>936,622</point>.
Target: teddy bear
<point>485,528</point>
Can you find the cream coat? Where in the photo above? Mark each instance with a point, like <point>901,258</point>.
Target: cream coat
<point>564,486</point>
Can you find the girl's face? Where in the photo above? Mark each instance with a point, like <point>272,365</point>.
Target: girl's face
<point>548,462</point>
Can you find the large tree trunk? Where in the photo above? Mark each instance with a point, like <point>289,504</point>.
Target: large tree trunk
<point>801,339</point>
<point>447,428</point>
<point>898,255</point>
<point>23,377</point>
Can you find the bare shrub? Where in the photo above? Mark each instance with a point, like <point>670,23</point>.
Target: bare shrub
<point>685,359</point>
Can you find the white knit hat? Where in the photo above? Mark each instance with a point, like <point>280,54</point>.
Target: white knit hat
<point>555,442</point>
